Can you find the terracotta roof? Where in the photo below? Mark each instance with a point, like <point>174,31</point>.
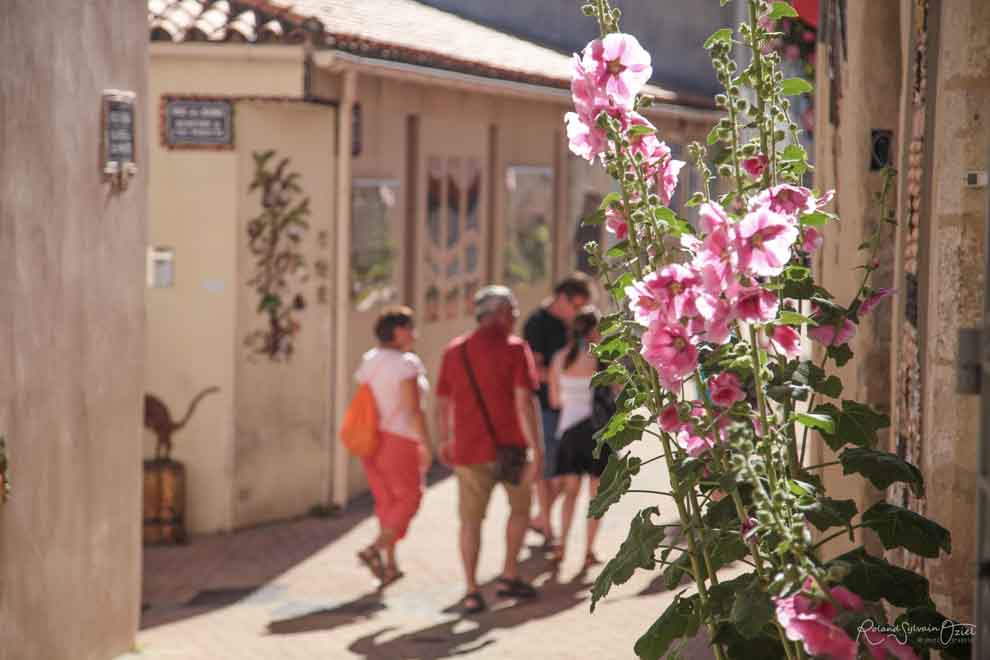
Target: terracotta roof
<point>398,30</point>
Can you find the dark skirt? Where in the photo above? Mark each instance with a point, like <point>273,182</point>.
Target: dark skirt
<point>576,452</point>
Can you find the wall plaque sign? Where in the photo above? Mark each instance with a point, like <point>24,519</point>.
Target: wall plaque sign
<point>197,123</point>
<point>117,152</point>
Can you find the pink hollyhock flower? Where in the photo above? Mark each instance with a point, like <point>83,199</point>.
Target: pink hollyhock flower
<point>717,328</point>
<point>615,222</point>
<point>825,199</point>
<point>588,99</point>
<point>674,287</point>
<point>756,165</point>
<point>666,178</point>
<point>644,303</point>
<point>873,300</point>
<point>712,216</point>
<point>619,66</point>
<point>829,335</point>
<point>646,145</point>
<point>756,304</point>
<point>718,259</point>
<point>694,445</point>
<point>747,529</point>
<point>786,199</point>
<point>882,644</point>
<point>786,340</point>
<point>668,348</point>
<point>725,389</point>
<point>812,240</point>
<point>764,239</point>
<point>810,621</point>
<point>670,419</point>
<point>584,137</point>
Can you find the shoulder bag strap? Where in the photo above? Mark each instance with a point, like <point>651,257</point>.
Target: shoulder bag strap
<point>477,393</point>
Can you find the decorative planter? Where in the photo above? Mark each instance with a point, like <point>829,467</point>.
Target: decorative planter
<point>164,502</point>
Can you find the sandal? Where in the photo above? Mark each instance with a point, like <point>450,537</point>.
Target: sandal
<point>371,558</point>
<point>547,538</point>
<point>390,575</point>
<point>516,588</point>
<point>473,603</point>
<point>556,553</point>
<point>591,560</point>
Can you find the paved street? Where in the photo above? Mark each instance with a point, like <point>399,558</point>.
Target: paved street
<point>294,590</point>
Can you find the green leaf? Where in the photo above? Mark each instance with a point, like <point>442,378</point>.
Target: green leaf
<point>738,647</point>
<point>930,630</point>
<point>751,610</point>
<point>831,387</point>
<point>723,35</point>
<point>782,10</point>
<point>898,527</point>
<point>798,283</point>
<point>712,135</point>
<point>874,579</point>
<point>680,619</point>
<point>723,549</point>
<point>622,430</point>
<point>815,219</point>
<point>792,153</point>
<point>882,468</point>
<point>615,482</point>
<point>788,317</point>
<point>816,421</point>
<point>841,354</point>
<point>614,347</point>
<point>637,551</point>
<point>640,129</point>
<point>795,86</point>
<point>826,513</point>
<point>614,373</point>
<point>618,250</point>
<point>609,200</point>
<point>596,218</point>
<point>855,424</point>
<point>664,213</point>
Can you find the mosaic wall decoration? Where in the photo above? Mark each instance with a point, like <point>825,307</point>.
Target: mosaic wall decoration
<point>907,417</point>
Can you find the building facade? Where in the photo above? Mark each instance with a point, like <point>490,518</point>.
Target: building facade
<point>433,154</point>
<point>913,76</point>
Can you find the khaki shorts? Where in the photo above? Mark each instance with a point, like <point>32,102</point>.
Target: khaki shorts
<point>475,484</point>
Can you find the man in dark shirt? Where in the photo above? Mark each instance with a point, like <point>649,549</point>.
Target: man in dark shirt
<point>546,332</point>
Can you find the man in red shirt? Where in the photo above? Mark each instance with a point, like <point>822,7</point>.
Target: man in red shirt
<point>505,380</point>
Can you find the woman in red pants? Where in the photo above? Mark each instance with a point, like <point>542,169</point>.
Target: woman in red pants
<point>396,470</point>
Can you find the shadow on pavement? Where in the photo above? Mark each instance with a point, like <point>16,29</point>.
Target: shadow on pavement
<point>468,633</point>
<point>214,571</point>
<point>355,611</point>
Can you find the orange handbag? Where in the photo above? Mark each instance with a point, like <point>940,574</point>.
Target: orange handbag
<point>359,430</point>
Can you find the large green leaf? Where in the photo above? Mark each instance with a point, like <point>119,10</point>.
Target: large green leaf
<point>723,549</point>
<point>929,630</point>
<point>737,647</point>
<point>795,86</point>
<point>782,10</point>
<point>637,551</point>
<point>615,482</point>
<point>881,468</point>
<point>751,610</point>
<point>900,528</point>
<point>874,579</point>
<point>822,422</point>
<point>810,374</point>
<point>681,619</point>
<point>825,512</point>
<point>723,35</point>
<point>622,430</point>
<point>855,424</point>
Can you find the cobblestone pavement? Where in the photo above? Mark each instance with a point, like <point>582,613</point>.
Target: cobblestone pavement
<point>295,590</point>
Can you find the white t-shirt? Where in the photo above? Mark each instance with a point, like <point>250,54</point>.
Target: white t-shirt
<point>384,369</point>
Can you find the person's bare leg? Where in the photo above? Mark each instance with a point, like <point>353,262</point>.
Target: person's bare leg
<point>571,487</point>
<point>470,549</point>
<point>515,530</point>
<point>544,501</point>
<point>593,525</point>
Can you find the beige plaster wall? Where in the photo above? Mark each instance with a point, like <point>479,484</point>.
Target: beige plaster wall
<point>870,97</point>
<point>955,295</point>
<point>191,325</point>
<point>282,409</point>
<point>72,331</point>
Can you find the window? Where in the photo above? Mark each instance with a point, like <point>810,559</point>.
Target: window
<point>373,253</point>
<point>528,214</point>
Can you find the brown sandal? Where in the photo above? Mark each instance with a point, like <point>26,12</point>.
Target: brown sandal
<point>591,560</point>
<point>390,575</point>
<point>371,558</point>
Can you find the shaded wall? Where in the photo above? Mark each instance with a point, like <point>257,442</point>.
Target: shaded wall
<point>72,332</point>
<point>673,31</point>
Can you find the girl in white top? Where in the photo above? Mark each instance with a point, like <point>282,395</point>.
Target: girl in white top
<point>571,370</point>
<point>395,472</point>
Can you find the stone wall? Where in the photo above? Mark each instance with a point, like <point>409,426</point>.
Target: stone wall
<point>71,331</point>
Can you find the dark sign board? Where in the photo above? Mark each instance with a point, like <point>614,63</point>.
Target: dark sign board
<point>193,123</point>
<point>117,151</point>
